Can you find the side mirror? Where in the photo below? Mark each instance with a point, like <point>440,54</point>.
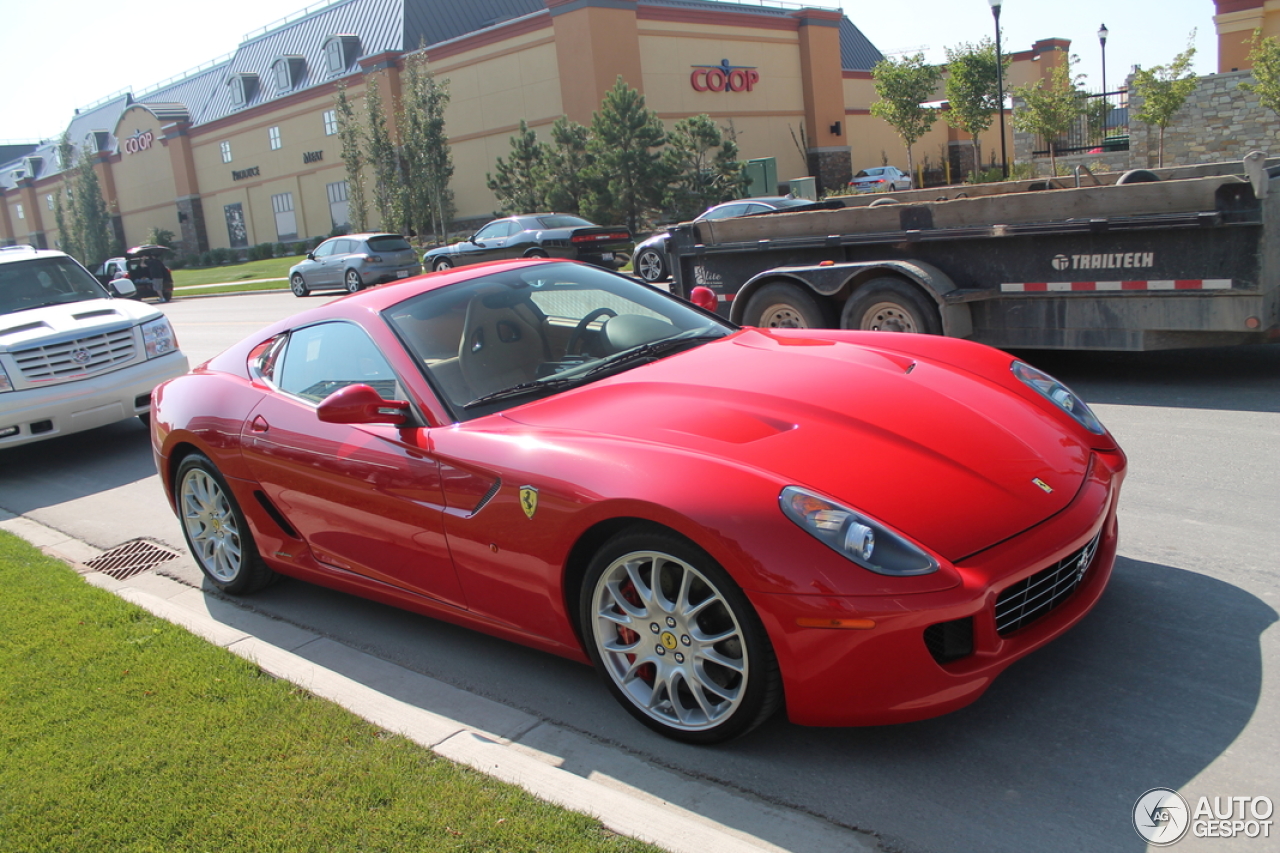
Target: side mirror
<point>472,239</point>
<point>124,287</point>
<point>311,256</point>
<point>360,404</point>
<point>705,298</point>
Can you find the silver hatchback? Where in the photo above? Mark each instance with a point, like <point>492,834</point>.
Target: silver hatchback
<point>353,262</point>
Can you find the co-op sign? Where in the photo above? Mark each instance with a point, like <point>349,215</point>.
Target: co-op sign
<point>724,77</point>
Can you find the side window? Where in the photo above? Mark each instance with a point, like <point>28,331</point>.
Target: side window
<point>727,211</point>
<point>324,250</point>
<point>319,360</point>
<point>494,230</point>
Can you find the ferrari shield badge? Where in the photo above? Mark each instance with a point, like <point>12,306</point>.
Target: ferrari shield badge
<point>529,500</point>
<point>1045,487</point>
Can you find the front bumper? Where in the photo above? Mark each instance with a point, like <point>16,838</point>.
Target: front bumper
<point>887,674</point>
<point>75,406</point>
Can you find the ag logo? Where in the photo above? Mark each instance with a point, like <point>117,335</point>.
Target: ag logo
<point>529,500</point>
<point>1061,262</point>
<point>1161,817</point>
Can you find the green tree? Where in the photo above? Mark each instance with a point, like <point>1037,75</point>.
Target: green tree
<point>973,90</point>
<point>66,217</point>
<point>1265,57</point>
<point>382,156</point>
<point>1164,90</point>
<point>904,86</point>
<point>568,167</point>
<point>95,239</point>
<point>703,166</point>
<point>427,157</point>
<point>520,178</point>
<point>625,138</point>
<point>1049,110</point>
<point>351,135</point>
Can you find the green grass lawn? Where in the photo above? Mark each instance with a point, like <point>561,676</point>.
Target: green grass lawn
<point>122,732</point>
<point>274,268</point>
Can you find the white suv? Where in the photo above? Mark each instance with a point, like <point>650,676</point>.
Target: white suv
<point>71,357</point>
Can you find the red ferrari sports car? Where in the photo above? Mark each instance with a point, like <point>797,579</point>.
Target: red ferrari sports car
<point>862,527</point>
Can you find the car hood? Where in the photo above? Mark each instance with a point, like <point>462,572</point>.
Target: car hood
<point>943,455</point>
<point>92,316</point>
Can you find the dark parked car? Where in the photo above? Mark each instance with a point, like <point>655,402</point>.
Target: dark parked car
<point>536,235</point>
<point>353,262</point>
<point>651,260</point>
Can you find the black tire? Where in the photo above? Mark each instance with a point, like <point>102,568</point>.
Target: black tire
<point>781,305</point>
<point>536,253</point>
<point>216,530</point>
<point>651,266</point>
<point>890,305</point>
<point>882,202</point>
<point>353,282</point>
<point>441,264</point>
<point>298,286</point>
<point>662,673</point>
<point>1138,176</point>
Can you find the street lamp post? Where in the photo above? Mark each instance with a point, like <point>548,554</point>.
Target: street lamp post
<point>1004,157</point>
<point>1102,39</point>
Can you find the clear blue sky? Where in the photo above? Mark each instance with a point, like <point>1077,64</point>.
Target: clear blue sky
<point>105,47</point>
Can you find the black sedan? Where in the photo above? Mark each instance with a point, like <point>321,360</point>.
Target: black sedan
<point>536,235</point>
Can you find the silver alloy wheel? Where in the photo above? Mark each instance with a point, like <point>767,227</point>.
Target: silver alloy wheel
<point>353,281</point>
<point>888,317</point>
<point>649,266</point>
<point>669,640</point>
<point>298,286</point>
<point>441,264</point>
<point>211,525</point>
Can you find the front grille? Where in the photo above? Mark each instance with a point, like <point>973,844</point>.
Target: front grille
<point>70,359</point>
<point>949,641</point>
<point>1028,600</point>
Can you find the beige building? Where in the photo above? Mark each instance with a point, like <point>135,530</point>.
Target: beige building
<point>245,150</point>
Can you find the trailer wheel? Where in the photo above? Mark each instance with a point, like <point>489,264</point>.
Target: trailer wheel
<point>890,305</point>
<point>785,306</point>
<point>1138,176</point>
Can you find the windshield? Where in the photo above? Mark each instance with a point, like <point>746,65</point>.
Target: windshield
<point>563,221</point>
<point>389,244</point>
<point>500,340</point>
<point>41,282</point>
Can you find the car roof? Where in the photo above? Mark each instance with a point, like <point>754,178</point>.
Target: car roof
<point>26,252</point>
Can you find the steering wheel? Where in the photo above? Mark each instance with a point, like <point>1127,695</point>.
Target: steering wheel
<point>579,331</point>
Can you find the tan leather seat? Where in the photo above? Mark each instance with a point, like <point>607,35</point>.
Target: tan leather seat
<point>500,348</point>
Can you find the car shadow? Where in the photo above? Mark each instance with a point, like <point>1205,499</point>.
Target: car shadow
<point>74,466</point>
<point>1245,378</point>
<point>1148,691</point>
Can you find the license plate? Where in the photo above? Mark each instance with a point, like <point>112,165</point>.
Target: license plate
<point>402,273</point>
<point>608,256</point>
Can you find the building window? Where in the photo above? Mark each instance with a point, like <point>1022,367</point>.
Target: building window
<point>226,152</point>
<point>273,134</point>
<point>286,222</point>
<point>243,87</point>
<point>21,215</point>
<point>338,208</point>
<point>330,122</point>
<point>340,52</point>
<point>49,200</point>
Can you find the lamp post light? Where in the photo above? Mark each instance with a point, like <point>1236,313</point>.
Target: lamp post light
<point>1004,157</point>
<point>1102,39</point>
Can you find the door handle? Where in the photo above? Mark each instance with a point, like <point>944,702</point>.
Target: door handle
<point>259,424</point>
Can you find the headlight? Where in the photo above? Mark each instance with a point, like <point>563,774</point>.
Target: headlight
<point>854,536</point>
<point>158,337</point>
<point>1060,395</point>
<point>5,384</point>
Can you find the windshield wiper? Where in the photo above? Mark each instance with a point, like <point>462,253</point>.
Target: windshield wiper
<point>627,358</point>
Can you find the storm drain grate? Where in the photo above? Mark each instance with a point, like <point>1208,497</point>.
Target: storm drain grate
<point>131,558</point>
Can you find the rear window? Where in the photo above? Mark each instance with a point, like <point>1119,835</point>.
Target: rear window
<point>564,222</point>
<point>389,244</point>
<point>41,282</point>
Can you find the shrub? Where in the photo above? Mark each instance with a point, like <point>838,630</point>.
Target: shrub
<point>299,248</point>
<point>221,256</point>
<point>281,250</point>
<point>206,259</point>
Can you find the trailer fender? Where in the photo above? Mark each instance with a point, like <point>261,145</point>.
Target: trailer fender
<point>837,282</point>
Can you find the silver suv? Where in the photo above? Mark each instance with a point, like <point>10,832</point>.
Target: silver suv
<point>354,262</point>
<point>72,357</point>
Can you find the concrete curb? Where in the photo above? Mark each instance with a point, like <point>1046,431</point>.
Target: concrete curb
<point>500,741</point>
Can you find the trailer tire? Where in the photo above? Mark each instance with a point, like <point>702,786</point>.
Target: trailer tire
<point>1138,176</point>
<point>786,306</point>
<point>890,305</point>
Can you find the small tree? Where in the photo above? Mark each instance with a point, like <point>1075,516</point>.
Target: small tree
<point>904,85</point>
<point>703,165</point>
<point>95,238</point>
<point>383,157</point>
<point>520,179</point>
<point>625,136</point>
<point>427,158</point>
<point>973,90</point>
<point>351,135</point>
<point>67,217</point>
<point>1164,90</point>
<point>1265,57</point>
<point>568,167</point>
<point>1049,110</point>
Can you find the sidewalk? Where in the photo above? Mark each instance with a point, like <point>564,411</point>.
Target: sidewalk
<point>553,763</point>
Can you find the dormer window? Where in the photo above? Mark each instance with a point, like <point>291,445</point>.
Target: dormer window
<point>243,87</point>
<point>286,72</point>
<point>32,165</point>
<point>340,51</point>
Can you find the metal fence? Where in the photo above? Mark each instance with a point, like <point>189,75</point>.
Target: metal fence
<point>1103,126</point>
